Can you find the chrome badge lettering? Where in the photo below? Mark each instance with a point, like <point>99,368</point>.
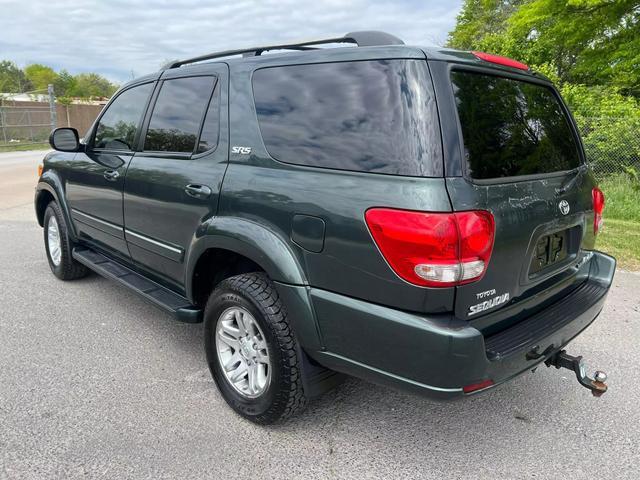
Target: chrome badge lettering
<point>241,150</point>
<point>487,304</point>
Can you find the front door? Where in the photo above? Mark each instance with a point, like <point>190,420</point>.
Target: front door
<point>172,184</point>
<point>95,181</point>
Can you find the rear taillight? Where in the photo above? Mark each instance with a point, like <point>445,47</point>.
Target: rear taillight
<point>500,60</point>
<point>598,208</point>
<point>433,249</point>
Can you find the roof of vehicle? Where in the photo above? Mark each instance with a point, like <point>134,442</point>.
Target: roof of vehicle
<point>323,49</point>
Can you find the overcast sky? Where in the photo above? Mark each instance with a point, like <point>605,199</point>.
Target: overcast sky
<point>123,38</point>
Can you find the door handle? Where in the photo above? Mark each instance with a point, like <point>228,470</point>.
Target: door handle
<point>197,191</point>
<point>111,175</point>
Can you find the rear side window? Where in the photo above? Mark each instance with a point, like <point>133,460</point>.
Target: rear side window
<point>369,116</point>
<point>177,114</point>
<point>512,128</point>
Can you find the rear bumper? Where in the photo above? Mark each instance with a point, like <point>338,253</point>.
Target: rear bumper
<point>438,355</point>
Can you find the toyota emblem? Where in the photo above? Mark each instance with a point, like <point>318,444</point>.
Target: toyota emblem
<point>564,207</point>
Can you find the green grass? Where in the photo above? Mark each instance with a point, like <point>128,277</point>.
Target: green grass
<point>622,198</point>
<point>621,239</point>
<point>21,147</point>
<point>621,234</point>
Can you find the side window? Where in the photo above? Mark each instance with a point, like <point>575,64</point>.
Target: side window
<point>117,127</point>
<point>177,114</point>
<point>368,116</point>
<point>211,128</point>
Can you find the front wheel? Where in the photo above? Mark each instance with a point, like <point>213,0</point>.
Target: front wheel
<point>58,246</point>
<point>251,349</point>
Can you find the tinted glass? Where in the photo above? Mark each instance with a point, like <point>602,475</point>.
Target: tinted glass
<point>512,128</point>
<point>372,116</point>
<point>176,117</point>
<point>211,127</point>
<point>118,126</point>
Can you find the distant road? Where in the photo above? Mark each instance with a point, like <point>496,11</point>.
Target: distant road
<point>18,171</point>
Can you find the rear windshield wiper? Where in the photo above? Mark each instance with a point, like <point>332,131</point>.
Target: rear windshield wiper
<point>572,181</point>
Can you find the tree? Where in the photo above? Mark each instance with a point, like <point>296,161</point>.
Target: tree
<point>591,42</point>
<point>12,79</point>
<point>92,85</point>
<point>40,76</point>
<point>64,84</point>
<point>479,21</point>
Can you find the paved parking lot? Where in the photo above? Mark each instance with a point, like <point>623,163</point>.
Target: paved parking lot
<point>96,383</point>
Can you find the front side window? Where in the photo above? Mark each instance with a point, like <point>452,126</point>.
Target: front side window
<point>512,128</point>
<point>177,114</point>
<point>117,128</point>
<point>368,116</point>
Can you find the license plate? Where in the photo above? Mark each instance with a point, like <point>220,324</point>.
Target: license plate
<point>550,249</point>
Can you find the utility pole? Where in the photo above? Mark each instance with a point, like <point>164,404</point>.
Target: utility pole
<point>52,106</point>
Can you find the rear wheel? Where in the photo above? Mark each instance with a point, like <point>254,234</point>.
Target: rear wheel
<point>58,246</point>
<point>251,349</point>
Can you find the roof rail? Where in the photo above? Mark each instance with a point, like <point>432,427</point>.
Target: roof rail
<point>367,38</point>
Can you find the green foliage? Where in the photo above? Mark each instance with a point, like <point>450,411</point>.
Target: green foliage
<point>632,173</point>
<point>590,42</point>
<point>92,85</point>
<point>622,197</point>
<point>40,76</point>
<point>12,79</point>
<point>66,86</point>
<point>609,123</point>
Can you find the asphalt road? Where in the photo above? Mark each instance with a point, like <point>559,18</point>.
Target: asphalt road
<point>94,382</point>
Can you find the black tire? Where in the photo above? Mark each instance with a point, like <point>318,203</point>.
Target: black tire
<point>67,268</point>
<point>284,396</point>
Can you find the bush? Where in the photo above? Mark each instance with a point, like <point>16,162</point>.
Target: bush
<point>622,197</point>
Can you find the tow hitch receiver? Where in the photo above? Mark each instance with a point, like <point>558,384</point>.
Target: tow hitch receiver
<point>563,360</point>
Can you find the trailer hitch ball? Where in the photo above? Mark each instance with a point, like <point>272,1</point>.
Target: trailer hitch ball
<point>596,384</point>
<point>598,381</point>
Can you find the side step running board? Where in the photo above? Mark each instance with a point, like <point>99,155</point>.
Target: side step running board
<point>160,296</point>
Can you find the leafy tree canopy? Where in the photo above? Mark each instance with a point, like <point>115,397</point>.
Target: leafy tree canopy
<point>40,76</point>
<point>37,77</point>
<point>12,79</point>
<point>589,42</point>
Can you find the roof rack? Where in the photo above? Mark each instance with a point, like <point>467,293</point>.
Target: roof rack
<point>367,38</point>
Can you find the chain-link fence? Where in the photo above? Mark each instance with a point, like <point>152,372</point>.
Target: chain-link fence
<point>612,144</point>
<point>24,124</point>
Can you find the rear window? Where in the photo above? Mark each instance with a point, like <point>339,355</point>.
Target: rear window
<point>512,128</point>
<point>370,116</point>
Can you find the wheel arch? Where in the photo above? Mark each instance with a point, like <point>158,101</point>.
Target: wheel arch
<point>50,189</point>
<point>250,244</point>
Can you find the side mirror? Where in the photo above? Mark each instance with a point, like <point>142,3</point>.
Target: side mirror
<point>65,139</point>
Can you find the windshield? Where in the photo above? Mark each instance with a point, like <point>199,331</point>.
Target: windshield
<point>512,128</point>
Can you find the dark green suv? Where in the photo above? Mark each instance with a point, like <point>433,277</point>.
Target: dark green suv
<point>418,217</point>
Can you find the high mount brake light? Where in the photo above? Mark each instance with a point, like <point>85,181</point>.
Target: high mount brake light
<point>500,60</point>
<point>598,208</point>
<point>433,249</point>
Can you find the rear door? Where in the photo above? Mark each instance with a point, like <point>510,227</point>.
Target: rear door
<point>172,184</point>
<point>521,160</point>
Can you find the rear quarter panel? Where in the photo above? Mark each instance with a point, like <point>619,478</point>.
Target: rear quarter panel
<point>270,192</point>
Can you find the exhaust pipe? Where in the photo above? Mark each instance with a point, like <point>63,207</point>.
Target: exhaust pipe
<point>596,384</point>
